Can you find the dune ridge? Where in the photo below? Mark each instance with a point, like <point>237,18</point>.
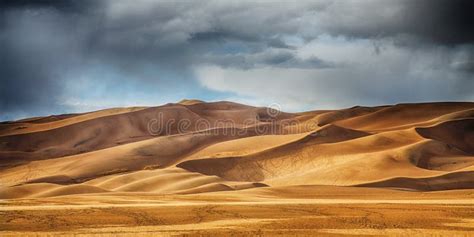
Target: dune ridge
<point>418,147</point>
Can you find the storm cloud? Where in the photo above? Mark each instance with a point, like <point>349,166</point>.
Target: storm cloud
<point>71,56</point>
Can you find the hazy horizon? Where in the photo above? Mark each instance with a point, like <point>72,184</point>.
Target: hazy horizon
<point>271,105</point>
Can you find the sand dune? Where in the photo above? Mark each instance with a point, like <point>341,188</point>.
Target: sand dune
<point>198,168</point>
<point>343,114</point>
<point>457,133</point>
<point>159,152</point>
<point>99,131</point>
<point>57,121</point>
<point>144,150</point>
<point>318,159</point>
<point>455,180</point>
<point>160,181</point>
<point>402,116</point>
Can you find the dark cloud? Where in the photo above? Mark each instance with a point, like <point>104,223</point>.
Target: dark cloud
<point>442,22</point>
<point>47,44</point>
<point>465,62</point>
<point>40,45</point>
<point>447,22</point>
<point>467,66</point>
<point>62,5</point>
<point>278,58</point>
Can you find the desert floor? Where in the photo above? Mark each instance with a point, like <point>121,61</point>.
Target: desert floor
<point>296,210</point>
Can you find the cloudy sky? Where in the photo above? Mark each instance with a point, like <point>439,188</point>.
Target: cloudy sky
<point>73,56</point>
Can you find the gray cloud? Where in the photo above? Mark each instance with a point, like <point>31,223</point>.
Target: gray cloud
<point>281,58</point>
<point>38,47</point>
<point>47,46</point>
<point>63,5</point>
<point>405,75</point>
<point>464,60</point>
<point>428,21</point>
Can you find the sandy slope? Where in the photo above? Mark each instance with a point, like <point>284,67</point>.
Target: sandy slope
<point>225,146</point>
<point>233,169</point>
<point>57,121</point>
